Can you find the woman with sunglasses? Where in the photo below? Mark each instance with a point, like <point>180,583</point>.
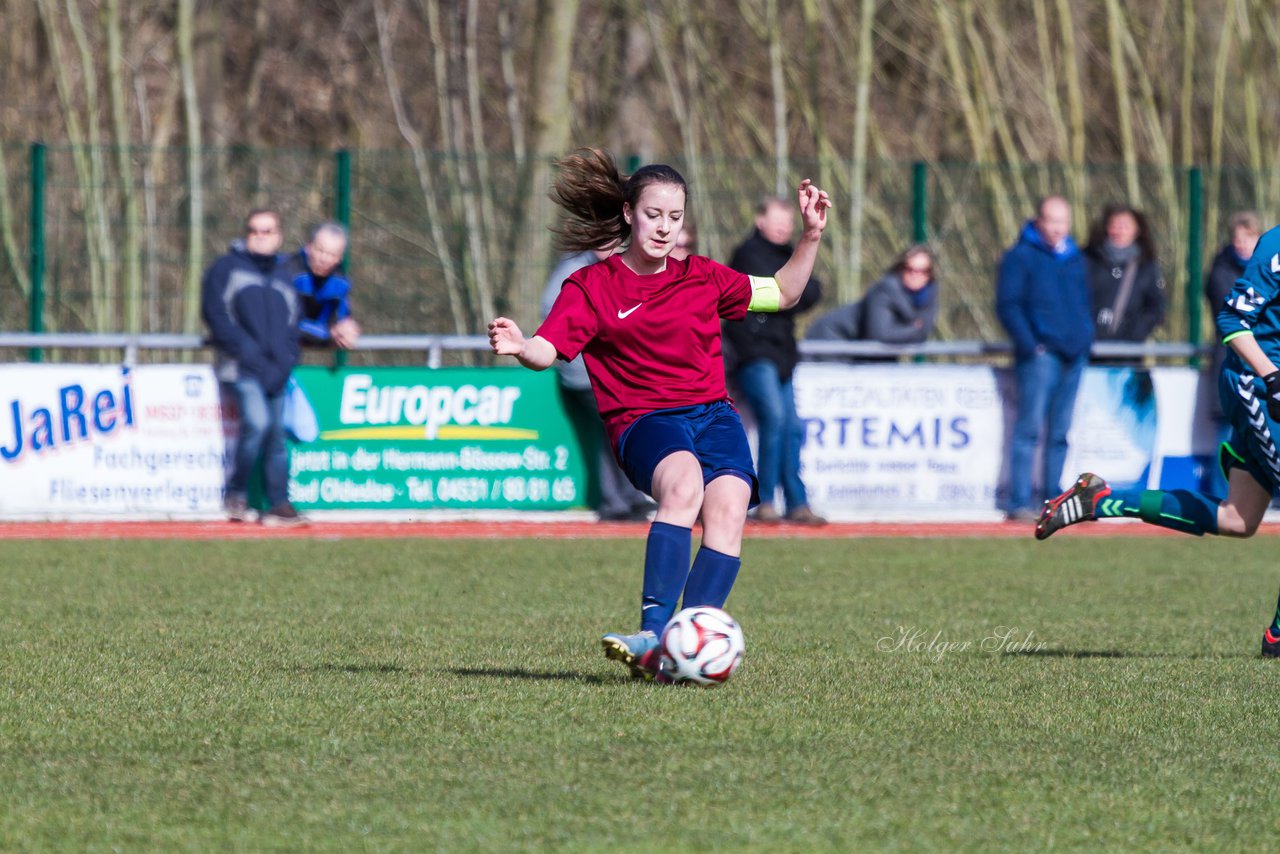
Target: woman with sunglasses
<point>902,306</point>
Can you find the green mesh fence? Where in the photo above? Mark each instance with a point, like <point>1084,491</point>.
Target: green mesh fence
<point>435,243</point>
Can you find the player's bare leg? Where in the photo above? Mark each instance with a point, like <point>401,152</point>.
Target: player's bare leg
<point>1246,503</point>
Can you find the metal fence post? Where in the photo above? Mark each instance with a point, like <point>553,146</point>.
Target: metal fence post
<point>342,187</point>
<point>36,313</point>
<point>919,202</point>
<point>1195,256</point>
<point>342,213</point>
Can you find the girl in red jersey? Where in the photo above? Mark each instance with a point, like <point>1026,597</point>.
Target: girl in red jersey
<point>648,327</point>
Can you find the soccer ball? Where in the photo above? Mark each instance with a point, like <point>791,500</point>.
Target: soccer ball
<point>702,645</point>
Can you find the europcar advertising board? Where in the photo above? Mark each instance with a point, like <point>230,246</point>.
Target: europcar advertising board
<point>450,438</point>
<point>84,441</point>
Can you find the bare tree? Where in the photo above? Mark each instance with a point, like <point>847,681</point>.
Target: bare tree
<point>549,126</point>
<point>118,94</point>
<point>387,19</point>
<point>195,175</point>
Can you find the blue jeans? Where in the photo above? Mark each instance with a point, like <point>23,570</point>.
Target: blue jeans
<point>261,434</point>
<point>781,433</point>
<point>1047,386</point>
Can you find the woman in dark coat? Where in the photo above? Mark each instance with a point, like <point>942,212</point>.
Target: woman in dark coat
<point>1124,276</point>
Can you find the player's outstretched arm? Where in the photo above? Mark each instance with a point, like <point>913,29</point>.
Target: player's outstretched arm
<point>794,275</point>
<point>506,339</point>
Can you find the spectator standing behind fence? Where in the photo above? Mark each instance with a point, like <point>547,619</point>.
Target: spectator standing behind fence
<point>1043,301</point>
<point>252,312</point>
<point>325,293</point>
<point>619,500</point>
<point>765,356</point>
<point>1124,276</point>
<point>1228,265</point>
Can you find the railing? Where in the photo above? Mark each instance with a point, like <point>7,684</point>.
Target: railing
<point>435,346</point>
<point>1102,350</point>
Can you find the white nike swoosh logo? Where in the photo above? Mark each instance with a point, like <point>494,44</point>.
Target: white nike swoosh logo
<point>647,607</point>
<point>622,315</point>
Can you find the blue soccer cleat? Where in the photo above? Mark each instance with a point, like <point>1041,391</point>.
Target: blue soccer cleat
<point>638,652</point>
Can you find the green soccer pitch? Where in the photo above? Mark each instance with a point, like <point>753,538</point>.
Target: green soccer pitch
<point>450,695</point>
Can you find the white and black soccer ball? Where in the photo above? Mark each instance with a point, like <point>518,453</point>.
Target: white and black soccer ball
<point>702,645</point>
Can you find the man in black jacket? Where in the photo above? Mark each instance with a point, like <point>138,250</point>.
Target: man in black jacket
<point>252,311</point>
<point>762,349</point>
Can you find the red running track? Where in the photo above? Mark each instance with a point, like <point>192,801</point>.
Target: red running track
<point>560,530</point>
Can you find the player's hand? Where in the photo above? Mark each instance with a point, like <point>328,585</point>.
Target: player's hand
<point>505,337</point>
<point>345,333</point>
<point>1272,381</point>
<point>814,204</point>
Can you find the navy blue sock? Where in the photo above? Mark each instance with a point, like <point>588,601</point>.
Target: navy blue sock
<point>1177,509</point>
<point>666,566</point>
<point>711,578</point>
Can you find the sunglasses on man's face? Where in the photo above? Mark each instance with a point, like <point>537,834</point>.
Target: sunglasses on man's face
<point>923,271</point>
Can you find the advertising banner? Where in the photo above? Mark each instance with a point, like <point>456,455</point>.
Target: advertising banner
<point>1113,430</point>
<point>884,441</point>
<point>81,441</point>
<point>1142,429</point>
<point>900,441</point>
<point>449,438</point>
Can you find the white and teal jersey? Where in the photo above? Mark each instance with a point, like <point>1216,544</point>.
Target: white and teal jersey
<point>1254,303</point>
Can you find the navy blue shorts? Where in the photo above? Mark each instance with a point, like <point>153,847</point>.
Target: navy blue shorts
<point>712,432</point>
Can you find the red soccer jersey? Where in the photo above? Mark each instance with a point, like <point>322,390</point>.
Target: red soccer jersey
<point>649,342</point>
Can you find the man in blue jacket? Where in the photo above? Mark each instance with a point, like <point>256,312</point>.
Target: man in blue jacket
<point>1042,298</point>
<point>252,310</point>
<point>325,293</point>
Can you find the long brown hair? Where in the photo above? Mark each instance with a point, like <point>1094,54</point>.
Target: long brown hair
<point>1098,231</point>
<point>592,191</point>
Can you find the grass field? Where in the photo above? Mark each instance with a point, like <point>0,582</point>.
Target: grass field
<point>422,695</point>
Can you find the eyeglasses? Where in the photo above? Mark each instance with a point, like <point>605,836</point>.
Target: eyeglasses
<point>262,231</point>
<point>922,271</point>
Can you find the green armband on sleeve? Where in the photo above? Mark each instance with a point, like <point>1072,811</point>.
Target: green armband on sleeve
<point>765,294</point>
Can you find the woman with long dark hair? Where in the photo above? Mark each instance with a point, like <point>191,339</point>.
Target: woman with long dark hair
<point>648,327</point>
<point>1124,276</point>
